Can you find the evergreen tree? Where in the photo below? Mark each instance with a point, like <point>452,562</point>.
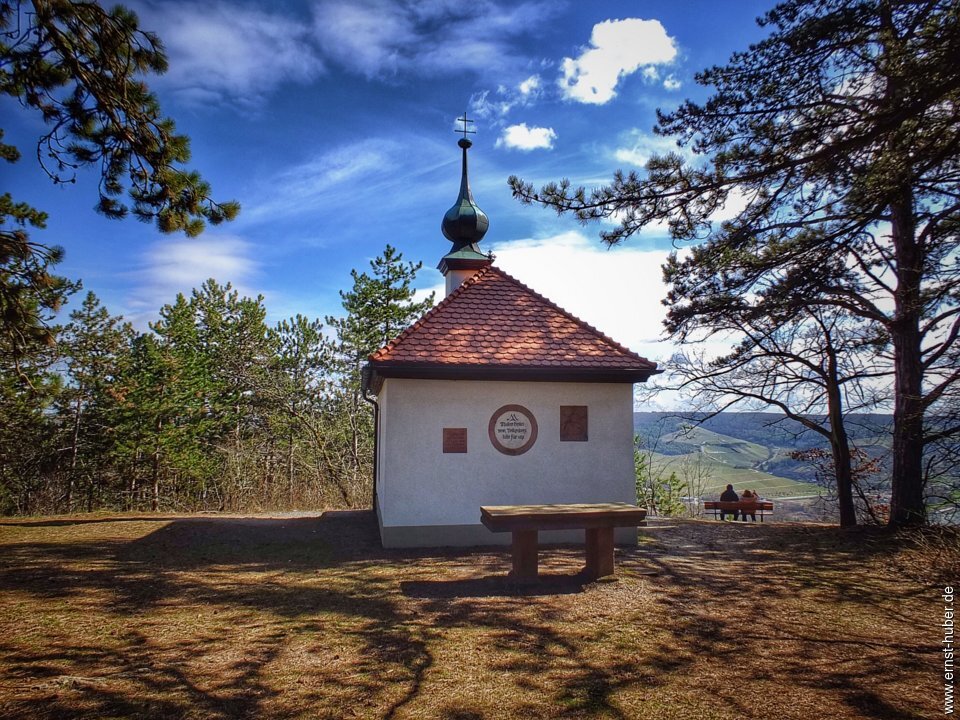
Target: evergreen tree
<point>29,384</point>
<point>842,132</point>
<point>379,307</point>
<point>300,376</point>
<point>92,345</point>
<point>236,348</point>
<point>29,387</point>
<point>166,418</point>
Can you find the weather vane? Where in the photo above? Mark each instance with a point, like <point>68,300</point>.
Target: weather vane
<point>465,120</point>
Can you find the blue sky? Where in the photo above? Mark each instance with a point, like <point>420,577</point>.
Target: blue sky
<point>332,122</point>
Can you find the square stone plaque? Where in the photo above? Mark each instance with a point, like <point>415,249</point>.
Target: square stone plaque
<point>573,423</point>
<point>454,440</point>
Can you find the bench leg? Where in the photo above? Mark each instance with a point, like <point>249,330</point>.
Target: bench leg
<point>525,548</point>
<point>599,552</point>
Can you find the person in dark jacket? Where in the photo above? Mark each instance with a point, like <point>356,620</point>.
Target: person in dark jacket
<point>729,495</point>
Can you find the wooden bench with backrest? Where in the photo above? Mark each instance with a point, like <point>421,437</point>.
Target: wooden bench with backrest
<point>748,507</point>
<point>526,521</point>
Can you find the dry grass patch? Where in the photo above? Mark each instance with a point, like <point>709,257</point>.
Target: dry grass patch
<point>307,617</point>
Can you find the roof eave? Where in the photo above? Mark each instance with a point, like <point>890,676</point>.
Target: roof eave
<point>379,371</point>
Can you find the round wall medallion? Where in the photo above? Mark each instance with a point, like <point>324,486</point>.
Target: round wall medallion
<point>513,429</point>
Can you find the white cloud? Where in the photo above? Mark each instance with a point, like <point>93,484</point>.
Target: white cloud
<point>639,147</point>
<point>381,37</point>
<point>618,291</point>
<point>483,105</point>
<point>326,177</point>
<point>671,83</point>
<point>366,37</point>
<point>219,50</point>
<point>617,48</point>
<point>521,137</point>
<point>494,105</point>
<point>172,266</point>
<point>737,202</point>
<point>530,86</point>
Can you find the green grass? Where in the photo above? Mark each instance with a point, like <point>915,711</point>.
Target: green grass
<point>721,448</point>
<point>721,474</point>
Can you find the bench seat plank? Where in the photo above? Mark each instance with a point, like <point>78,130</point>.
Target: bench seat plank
<point>506,518</point>
<point>736,505</point>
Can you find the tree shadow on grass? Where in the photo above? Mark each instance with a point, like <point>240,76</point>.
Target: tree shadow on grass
<point>491,586</point>
<point>289,577</point>
<point>302,587</point>
<point>847,632</point>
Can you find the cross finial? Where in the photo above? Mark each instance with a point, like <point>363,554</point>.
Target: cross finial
<point>465,120</point>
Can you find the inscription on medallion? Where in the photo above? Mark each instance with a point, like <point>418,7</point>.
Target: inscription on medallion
<point>454,440</point>
<point>513,429</point>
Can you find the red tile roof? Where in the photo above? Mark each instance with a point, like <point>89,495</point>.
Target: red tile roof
<point>495,322</point>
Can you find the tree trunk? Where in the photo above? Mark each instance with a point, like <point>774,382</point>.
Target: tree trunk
<point>290,452</point>
<point>906,502</point>
<point>155,500</point>
<point>74,450</point>
<point>843,471</point>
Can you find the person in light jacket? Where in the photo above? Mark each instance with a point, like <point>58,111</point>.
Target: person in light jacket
<point>750,497</point>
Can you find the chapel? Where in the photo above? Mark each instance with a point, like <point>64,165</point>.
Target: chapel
<point>496,396</point>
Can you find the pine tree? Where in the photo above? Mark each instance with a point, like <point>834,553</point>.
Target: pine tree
<point>235,342</point>
<point>92,345</point>
<point>300,375</point>
<point>842,132</point>
<point>379,307</point>
<point>29,387</point>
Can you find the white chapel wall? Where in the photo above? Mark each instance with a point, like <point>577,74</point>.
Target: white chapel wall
<point>420,485</point>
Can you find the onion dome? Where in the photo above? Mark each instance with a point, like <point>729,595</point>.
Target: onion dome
<point>465,223</point>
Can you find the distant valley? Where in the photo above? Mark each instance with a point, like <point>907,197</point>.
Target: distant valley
<point>749,450</point>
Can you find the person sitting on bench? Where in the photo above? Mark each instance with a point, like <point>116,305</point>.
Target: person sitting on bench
<point>729,495</point>
<point>749,497</point>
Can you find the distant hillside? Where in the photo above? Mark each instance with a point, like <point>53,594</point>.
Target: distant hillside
<point>750,449</point>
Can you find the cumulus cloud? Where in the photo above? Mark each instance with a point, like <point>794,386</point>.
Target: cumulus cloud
<point>617,48</point>
<point>521,137</point>
<point>220,51</point>
<point>382,37</point>
<point>618,291</point>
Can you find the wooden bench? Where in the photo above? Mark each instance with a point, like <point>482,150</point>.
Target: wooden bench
<point>750,507</point>
<point>525,522</point>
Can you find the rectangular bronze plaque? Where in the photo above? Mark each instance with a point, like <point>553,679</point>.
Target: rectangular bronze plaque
<point>573,423</point>
<point>454,440</point>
